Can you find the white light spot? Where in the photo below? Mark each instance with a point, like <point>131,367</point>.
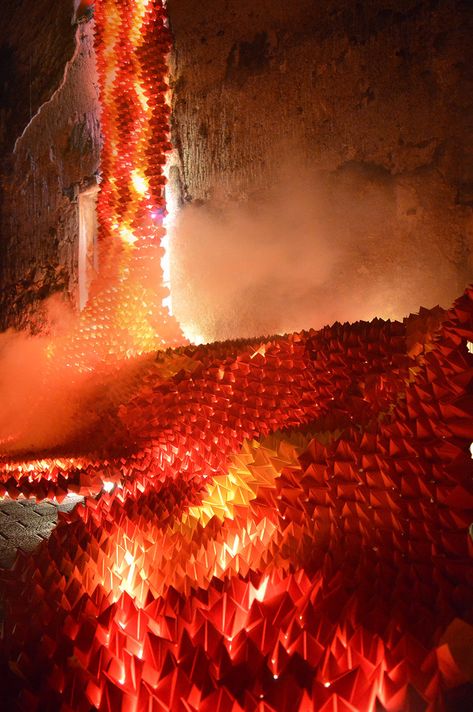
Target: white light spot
<point>139,182</point>
<point>326,684</point>
<point>108,486</point>
<point>469,346</point>
<point>128,237</point>
<point>167,304</point>
<point>193,336</point>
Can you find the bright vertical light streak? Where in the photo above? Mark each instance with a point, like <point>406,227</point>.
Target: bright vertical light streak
<point>169,223</point>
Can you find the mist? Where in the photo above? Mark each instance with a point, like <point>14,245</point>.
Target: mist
<point>314,248</point>
<point>36,399</point>
<point>50,401</point>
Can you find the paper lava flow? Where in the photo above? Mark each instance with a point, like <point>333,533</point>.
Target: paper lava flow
<point>269,525</point>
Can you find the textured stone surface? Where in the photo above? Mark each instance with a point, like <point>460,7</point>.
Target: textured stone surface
<point>374,97</point>
<point>36,38</point>
<point>25,523</point>
<point>51,149</point>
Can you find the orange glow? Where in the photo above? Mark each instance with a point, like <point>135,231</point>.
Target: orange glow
<point>127,313</point>
<point>229,531</point>
<point>278,525</point>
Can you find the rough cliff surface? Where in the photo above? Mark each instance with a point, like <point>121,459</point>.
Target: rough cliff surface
<point>372,100</point>
<point>49,139</point>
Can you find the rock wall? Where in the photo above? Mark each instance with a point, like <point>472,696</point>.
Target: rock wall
<point>50,136</point>
<point>372,100</point>
<point>368,105</point>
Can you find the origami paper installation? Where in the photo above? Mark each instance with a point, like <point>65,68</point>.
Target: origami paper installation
<point>271,524</point>
<point>125,315</point>
<point>289,530</point>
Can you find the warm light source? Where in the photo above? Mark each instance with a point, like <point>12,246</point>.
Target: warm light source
<point>139,182</point>
<point>127,236</point>
<point>275,514</point>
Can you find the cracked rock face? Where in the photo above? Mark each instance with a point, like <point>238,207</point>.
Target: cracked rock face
<point>49,139</point>
<point>372,100</point>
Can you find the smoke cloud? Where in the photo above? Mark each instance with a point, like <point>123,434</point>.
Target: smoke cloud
<point>48,402</point>
<point>312,249</point>
<point>35,402</point>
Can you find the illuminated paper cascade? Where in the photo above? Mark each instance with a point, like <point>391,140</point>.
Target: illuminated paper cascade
<point>289,524</point>
<point>125,314</point>
<point>323,566</point>
<point>239,391</point>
